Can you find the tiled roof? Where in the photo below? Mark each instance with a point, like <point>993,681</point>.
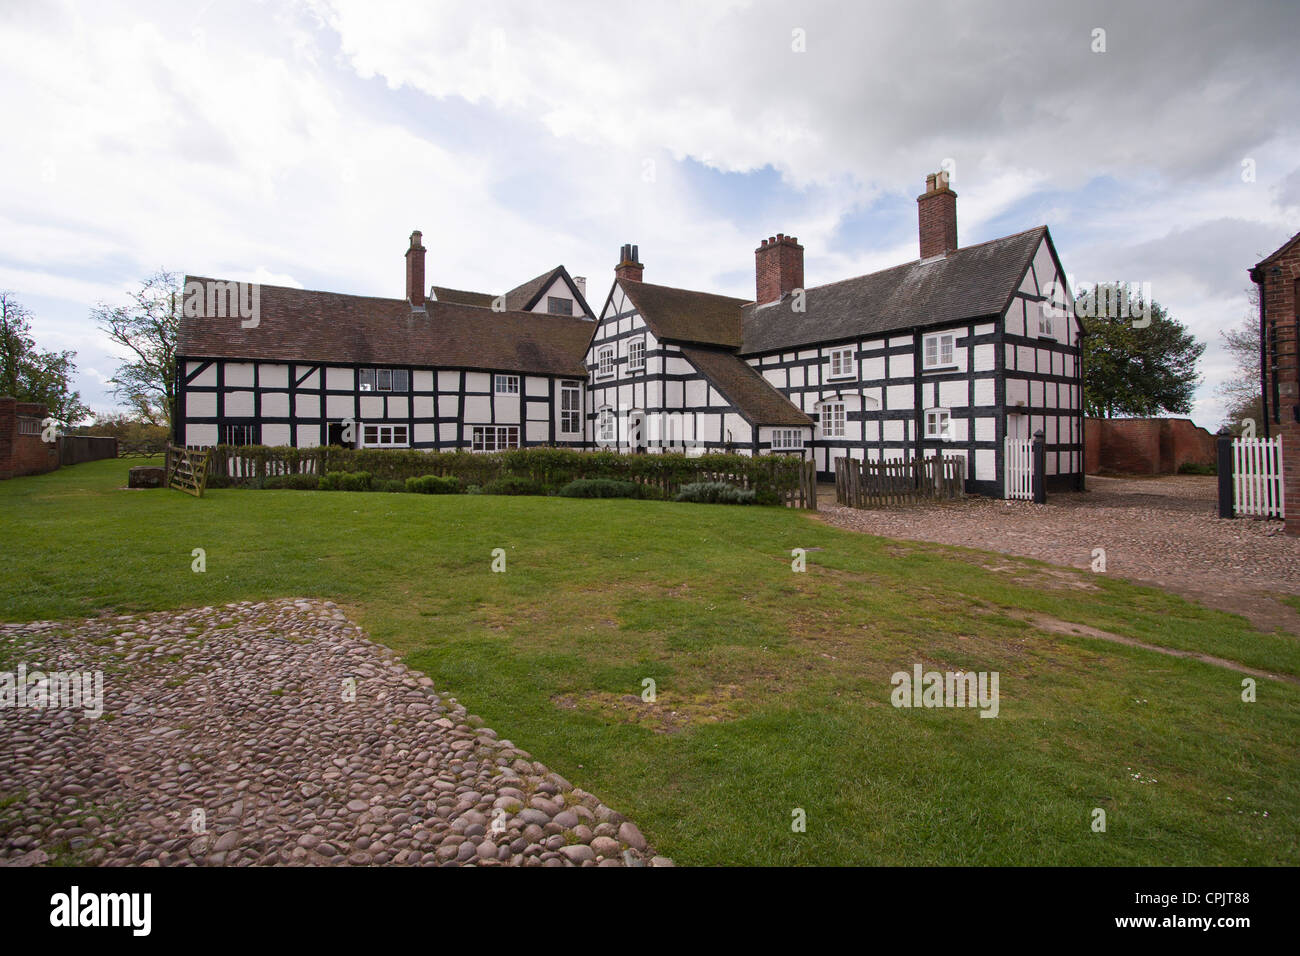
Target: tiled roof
<point>305,326</point>
<point>680,315</point>
<point>972,282</point>
<point>754,396</point>
<point>460,297</point>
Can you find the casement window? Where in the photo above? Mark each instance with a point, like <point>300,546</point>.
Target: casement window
<point>495,437</point>
<point>245,434</point>
<point>1045,327</point>
<point>507,385</point>
<point>938,424</point>
<point>842,363</point>
<point>384,379</point>
<point>636,355</point>
<point>833,420</point>
<point>559,305</point>
<point>787,439</point>
<point>385,436</point>
<point>570,408</point>
<point>606,427</point>
<point>605,362</point>
<point>938,350</point>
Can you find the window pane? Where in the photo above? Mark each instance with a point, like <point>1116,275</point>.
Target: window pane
<point>367,379</point>
<point>401,380</point>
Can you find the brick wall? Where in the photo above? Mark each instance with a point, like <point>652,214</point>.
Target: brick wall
<point>22,454</point>
<point>778,268</point>
<point>1279,280</point>
<point>1144,446</point>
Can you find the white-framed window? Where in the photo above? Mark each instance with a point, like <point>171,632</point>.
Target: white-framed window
<point>507,385</point>
<point>384,379</point>
<point>635,355</point>
<point>559,305</point>
<point>494,437</point>
<point>833,420</point>
<point>606,427</point>
<point>842,362</point>
<point>605,362</point>
<point>937,349</point>
<point>385,436</point>
<point>570,408</point>
<point>242,434</point>
<point>938,424</point>
<point>787,439</point>
<point>1045,325</point>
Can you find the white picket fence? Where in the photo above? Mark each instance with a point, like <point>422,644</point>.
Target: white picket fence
<point>1258,487</point>
<point>1018,454</point>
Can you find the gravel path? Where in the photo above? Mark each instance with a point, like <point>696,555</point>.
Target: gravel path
<point>1160,531</point>
<point>227,739</point>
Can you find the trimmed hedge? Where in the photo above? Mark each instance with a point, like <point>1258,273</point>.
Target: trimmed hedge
<point>345,481</point>
<point>716,493</point>
<point>540,470</point>
<point>434,485</point>
<point>292,482</point>
<point>603,488</point>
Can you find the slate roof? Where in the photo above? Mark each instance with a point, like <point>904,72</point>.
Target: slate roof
<point>680,315</point>
<point>754,396</point>
<point>519,299</point>
<point>305,326</point>
<point>971,282</point>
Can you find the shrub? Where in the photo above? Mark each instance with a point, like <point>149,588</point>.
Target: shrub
<point>388,484</point>
<point>473,490</point>
<point>1196,468</point>
<point>434,485</point>
<point>292,482</point>
<point>217,481</point>
<point>345,481</point>
<point>715,492</point>
<point>514,486</point>
<point>601,488</point>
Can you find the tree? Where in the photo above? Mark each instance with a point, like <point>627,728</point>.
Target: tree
<point>1139,364</point>
<point>1241,392</point>
<point>147,328</point>
<point>30,374</point>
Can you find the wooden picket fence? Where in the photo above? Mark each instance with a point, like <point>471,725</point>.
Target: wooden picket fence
<point>898,481</point>
<point>1258,486</point>
<point>187,470</point>
<point>1018,455</point>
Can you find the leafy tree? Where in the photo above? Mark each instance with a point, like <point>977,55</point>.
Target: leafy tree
<point>30,374</point>
<point>147,328</point>
<point>1142,364</point>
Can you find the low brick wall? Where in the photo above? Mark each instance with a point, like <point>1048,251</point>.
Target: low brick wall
<point>1144,446</point>
<point>21,450</point>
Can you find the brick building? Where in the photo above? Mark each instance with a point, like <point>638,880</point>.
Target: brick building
<point>21,450</point>
<point>1278,278</point>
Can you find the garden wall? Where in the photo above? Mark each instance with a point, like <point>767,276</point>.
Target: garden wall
<point>21,450</point>
<point>1144,446</point>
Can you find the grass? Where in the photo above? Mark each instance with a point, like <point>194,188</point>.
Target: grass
<point>773,687</point>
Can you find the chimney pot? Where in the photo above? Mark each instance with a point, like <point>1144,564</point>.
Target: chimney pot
<point>629,264</point>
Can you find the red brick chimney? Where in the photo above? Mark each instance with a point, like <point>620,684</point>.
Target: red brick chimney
<point>415,272</point>
<point>629,264</point>
<point>778,268</point>
<point>937,210</point>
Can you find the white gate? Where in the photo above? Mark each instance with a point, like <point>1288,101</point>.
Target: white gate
<point>1257,482</point>
<point>1018,455</point>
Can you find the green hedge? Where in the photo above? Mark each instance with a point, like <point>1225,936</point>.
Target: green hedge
<point>715,493</point>
<point>434,485</point>
<point>771,477</point>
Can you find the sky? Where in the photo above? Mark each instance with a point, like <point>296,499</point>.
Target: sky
<point>300,143</point>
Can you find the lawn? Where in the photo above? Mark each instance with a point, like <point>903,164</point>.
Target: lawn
<point>773,687</point>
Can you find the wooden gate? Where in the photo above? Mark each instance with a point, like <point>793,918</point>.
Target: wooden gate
<point>187,470</point>
<point>1018,458</point>
<point>1258,486</point>
<point>898,481</point>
